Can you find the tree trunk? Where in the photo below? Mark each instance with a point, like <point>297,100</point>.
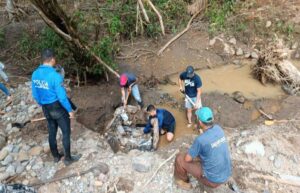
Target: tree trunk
<point>10,8</point>
<point>55,17</point>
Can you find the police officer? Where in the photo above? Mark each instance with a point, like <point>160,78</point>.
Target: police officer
<point>48,91</point>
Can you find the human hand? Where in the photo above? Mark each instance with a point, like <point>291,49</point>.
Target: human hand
<point>181,90</point>
<point>71,115</point>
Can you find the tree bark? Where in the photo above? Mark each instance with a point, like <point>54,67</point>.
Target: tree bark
<point>55,17</point>
<point>10,8</point>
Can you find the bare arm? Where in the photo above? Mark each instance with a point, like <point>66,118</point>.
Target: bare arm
<point>188,158</point>
<point>199,92</point>
<point>123,94</point>
<point>180,82</point>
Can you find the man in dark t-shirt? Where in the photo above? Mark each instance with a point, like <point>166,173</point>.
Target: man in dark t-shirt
<point>160,122</point>
<point>192,88</point>
<point>128,84</point>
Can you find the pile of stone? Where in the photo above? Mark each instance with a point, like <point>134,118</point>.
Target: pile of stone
<point>125,130</point>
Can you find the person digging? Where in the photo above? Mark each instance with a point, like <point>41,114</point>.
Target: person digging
<point>48,92</point>
<point>192,88</point>
<point>208,159</point>
<point>160,122</point>
<point>128,84</point>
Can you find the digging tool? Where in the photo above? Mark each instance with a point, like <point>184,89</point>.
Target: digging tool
<point>272,122</point>
<point>21,125</point>
<point>189,99</point>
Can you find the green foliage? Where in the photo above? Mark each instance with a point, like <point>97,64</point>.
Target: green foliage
<point>217,13</point>
<point>105,49</point>
<point>2,37</point>
<point>31,45</point>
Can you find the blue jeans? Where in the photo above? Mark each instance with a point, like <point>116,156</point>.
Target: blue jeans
<point>135,93</point>
<point>56,116</point>
<point>4,89</point>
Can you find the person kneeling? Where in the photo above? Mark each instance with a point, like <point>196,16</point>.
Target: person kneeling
<point>213,167</point>
<point>161,122</point>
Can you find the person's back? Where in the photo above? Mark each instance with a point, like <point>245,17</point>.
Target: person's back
<point>215,155</point>
<point>166,117</point>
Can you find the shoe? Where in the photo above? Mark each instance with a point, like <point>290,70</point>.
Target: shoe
<point>56,159</point>
<point>189,125</point>
<point>74,158</point>
<point>183,185</point>
<point>141,104</point>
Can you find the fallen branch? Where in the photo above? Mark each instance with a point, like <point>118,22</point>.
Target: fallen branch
<point>180,34</point>
<point>265,114</point>
<point>158,15</point>
<point>163,163</point>
<point>281,181</point>
<point>102,167</point>
<point>144,11</point>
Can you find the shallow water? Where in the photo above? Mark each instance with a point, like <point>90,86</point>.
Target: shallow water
<point>225,79</point>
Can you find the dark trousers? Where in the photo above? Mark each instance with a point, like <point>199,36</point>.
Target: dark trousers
<point>182,168</point>
<point>56,116</point>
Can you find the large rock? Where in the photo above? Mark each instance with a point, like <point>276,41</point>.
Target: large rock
<point>36,151</point>
<point>3,154</point>
<point>142,163</point>
<point>255,148</point>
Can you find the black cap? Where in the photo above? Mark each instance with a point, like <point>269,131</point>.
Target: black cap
<point>190,71</point>
<point>47,54</point>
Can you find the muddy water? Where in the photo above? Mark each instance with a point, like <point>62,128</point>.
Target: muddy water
<point>181,128</point>
<point>225,79</point>
<point>231,78</point>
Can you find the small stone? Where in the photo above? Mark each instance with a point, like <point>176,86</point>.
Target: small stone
<point>98,183</point>
<point>247,55</point>
<point>36,151</point>
<point>254,55</point>
<point>20,169</point>
<point>25,182</point>
<point>142,163</point>
<point>8,127</point>
<point>255,148</point>
<point>268,24</point>
<point>2,141</point>
<point>212,42</point>
<point>237,62</point>
<point>7,109</point>
<point>232,41</point>
<point>3,154</point>
<point>10,148</point>
<point>11,170</point>
<point>297,55</point>
<point>8,160</point>
<point>4,176</point>
<point>271,158</point>
<point>277,163</point>
<point>239,52</point>
<point>295,45</point>
<point>23,156</point>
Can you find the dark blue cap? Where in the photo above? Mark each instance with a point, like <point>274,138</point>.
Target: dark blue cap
<point>190,71</point>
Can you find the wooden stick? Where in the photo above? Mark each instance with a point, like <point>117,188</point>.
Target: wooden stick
<point>38,184</point>
<point>282,181</point>
<point>180,34</point>
<point>265,114</point>
<point>164,162</point>
<point>158,15</point>
<point>144,11</point>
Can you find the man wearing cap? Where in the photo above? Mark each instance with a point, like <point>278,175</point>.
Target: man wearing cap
<point>211,148</point>
<point>128,85</point>
<point>5,78</point>
<point>160,122</point>
<point>192,88</point>
<point>48,91</point>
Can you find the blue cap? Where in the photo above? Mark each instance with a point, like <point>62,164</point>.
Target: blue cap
<point>190,71</point>
<point>205,115</point>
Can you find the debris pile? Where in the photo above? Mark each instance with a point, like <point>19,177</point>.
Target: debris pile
<point>125,130</point>
<point>273,66</point>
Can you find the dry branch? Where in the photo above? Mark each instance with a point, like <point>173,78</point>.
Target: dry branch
<point>163,163</point>
<point>277,180</point>
<point>143,11</point>
<point>158,15</point>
